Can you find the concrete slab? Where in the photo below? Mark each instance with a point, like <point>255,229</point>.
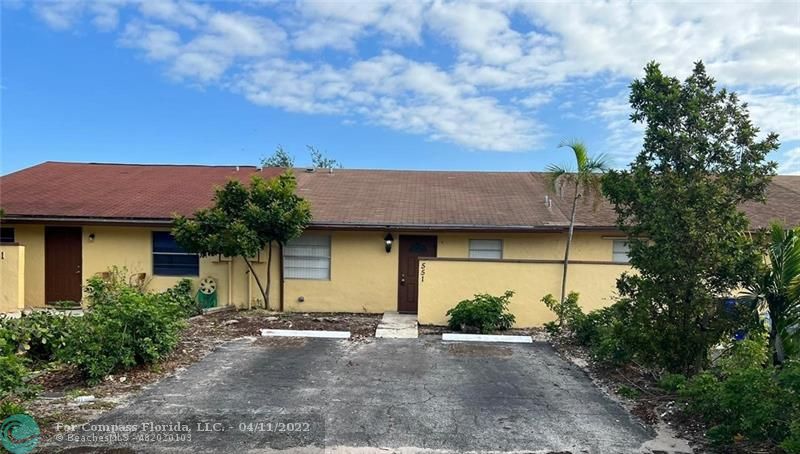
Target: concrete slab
<point>461,337</point>
<point>397,326</point>
<point>305,333</point>
<point>392,395</point>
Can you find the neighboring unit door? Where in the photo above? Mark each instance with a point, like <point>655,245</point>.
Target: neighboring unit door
<point>62,264</point>
<point>411,249</point>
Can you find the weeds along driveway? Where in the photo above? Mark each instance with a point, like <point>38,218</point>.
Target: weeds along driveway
<point>310,394</point>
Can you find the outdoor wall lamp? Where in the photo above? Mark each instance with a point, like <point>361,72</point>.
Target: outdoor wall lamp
<point>388,239</point>
<point>91,237</point>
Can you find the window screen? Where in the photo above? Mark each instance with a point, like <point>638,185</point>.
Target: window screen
<point>620,251</point>
<point>7,235</point>
<point>485,249</point>
<point>169,259</point>
<point>308,257</point>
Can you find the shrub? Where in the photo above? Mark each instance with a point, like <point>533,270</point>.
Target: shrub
<point>628,392</point>
<point>9,408</point>
<point>37,334</point>
<point>118,334</point>
<point>181,296</point>
<point>672,382</point>
<point>110,286</point>
<point>484,313</point>
<point>743,397</point>
<point>12,375</point>
<point>791,444</point>
<point>607,332</point>
<point>569,314</point>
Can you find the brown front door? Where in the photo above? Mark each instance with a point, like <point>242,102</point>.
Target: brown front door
<point>62,264</point>
<point>411,249</point>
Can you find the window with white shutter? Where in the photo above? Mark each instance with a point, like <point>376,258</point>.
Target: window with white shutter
<point>308,257</point>
<point>486,249</point>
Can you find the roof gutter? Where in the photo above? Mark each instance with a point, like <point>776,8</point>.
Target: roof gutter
<point>163,222</point>
<point>159,222</point>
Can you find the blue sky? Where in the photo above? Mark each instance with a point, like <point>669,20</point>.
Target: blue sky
<point>415,85</point>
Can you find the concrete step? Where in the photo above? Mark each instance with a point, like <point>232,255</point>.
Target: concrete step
<point>397,326</point>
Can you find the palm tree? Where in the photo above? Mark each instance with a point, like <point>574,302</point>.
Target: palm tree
<point>585,179</point>
<point>777,289</point>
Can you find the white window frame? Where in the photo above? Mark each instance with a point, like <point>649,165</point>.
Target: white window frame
<point>289,254</point>
<point>484,248</point>
<point>618,248</point>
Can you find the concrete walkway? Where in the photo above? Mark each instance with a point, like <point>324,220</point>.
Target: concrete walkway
<point>397,326</point>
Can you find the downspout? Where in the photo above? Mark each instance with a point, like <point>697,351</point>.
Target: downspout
<point>280,276</point>
<point>230,282</point>
<point>249,290</point>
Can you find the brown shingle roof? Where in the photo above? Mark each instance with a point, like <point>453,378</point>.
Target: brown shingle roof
<point>114,191</point>
<point>362,198</point>
<point>423,198</point>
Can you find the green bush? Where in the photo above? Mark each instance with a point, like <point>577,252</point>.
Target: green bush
<point>606,331</point>
<point>484,313</point>
<point>12,375</point>
<point>791,444</point>
<point>746,397</point>
<point>117,334</point>
<point>8,408</point>
<point>569,315</point>
<point>111,286</point>
<point>181,296</point>
<point>37,334</point>
<point>672,382</point>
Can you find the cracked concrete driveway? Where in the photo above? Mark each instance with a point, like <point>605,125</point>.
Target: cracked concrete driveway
<point>345,396</point>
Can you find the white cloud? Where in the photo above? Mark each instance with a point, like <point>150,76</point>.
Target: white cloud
<point>157,41</point>
<point>60,15</point>
<point>791,162</point>
<point>338,25</point>
<point>471,73</point>
<point>742,43</point>
<point>624,139</point>
<point>476,30</point>
<point>392,91</point>
<point>182,13</point>
<point>776,112</point>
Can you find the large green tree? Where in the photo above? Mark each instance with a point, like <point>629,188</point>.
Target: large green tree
<point>583,181</point>
<point>246,219</point>
<point>678,203</point>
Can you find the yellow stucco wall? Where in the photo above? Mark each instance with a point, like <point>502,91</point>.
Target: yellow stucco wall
<point>541,246</point>
<point>32,237</point>
<point>363,277</point>
<point>12,277</point>
<point>131,247</point>
<point>443,283</point>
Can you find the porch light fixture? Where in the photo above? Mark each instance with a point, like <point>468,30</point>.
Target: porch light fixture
<point>388,239</point>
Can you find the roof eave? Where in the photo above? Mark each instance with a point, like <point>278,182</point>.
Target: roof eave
<point>166,222</point>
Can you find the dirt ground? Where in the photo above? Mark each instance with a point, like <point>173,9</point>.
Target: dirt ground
<point>203,334</point>
<point>647,401</point>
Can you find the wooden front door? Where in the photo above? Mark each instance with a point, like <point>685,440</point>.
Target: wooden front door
<point>411,249</point>
<point>62,264</point>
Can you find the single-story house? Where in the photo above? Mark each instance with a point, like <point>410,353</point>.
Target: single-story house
<point>380,240</point>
